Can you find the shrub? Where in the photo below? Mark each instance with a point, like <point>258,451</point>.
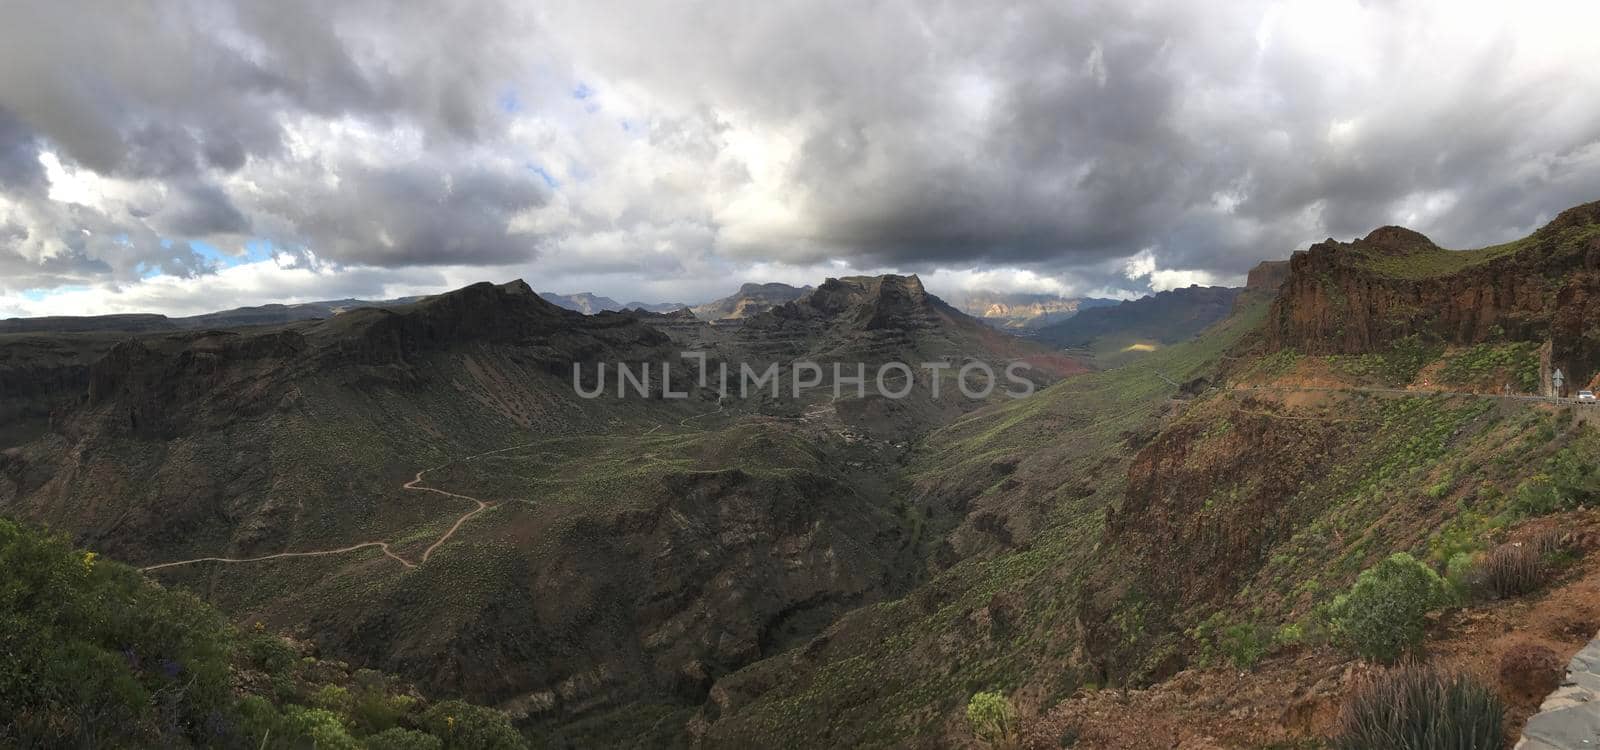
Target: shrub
<point>1515,569</point>
<point>403,739</point>
<point>320,727</point>
<point>90,655</point>
<point>1418,707</point>
<point>1243,643</point>
<point>1382,615</point>
<point>468,727</point>
<point>992,719</point>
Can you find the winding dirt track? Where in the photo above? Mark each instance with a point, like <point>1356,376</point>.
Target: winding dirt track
<point>414,485</point>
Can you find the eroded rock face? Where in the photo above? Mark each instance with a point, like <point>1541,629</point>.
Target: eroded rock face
<point>1353,298</point>
<point>1267,275</point>
<point>1202,507</point>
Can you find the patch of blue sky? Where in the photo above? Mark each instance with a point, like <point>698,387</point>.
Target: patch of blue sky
<point>254,250</point>
<point>548,178</point>
<point>509,102</point>
<point>36,295</point>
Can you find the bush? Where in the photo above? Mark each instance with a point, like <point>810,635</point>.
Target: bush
<point>468,727</point>
<point>1243,643</point>
<point>93,655</point>
<point>1515,569</point>
<point>403,739</point>
<point>1382,615</point>
<point>992,719</point>
<point>90,655</point>
<point>321,728</point>
<point>1417,707</point>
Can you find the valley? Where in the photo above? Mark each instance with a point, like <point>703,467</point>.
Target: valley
<point>419,489</point>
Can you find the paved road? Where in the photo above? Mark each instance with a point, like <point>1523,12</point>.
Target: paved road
<point>1410,392</point>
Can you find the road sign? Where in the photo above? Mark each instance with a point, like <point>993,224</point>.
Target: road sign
<point>1556,378</point>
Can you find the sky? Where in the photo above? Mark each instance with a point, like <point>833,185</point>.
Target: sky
<point>187,156</point>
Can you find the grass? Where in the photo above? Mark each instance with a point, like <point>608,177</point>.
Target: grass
<point>1436,262</point>
<point>889,673</point>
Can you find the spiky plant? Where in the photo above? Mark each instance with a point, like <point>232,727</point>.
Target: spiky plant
<point>1421,707</point>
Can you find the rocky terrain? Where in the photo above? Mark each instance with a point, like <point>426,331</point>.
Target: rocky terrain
<point>1024,312</point>
<point>1163,551</point>
<point>1116,333</point>
<point>590,304</point>
<point>1393,284</point>
<point>631,552</point>
<point>750,300</point>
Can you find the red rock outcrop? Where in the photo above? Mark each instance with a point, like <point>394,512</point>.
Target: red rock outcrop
<point>1352,298</point>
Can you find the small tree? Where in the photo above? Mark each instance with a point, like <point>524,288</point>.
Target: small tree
<point>1382,616</point>
<point>992,719</point>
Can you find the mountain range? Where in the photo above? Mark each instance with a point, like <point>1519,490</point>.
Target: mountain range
<point>1185,536</point>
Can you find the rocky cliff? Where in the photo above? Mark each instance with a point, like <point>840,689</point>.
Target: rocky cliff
<point>1357,297</point>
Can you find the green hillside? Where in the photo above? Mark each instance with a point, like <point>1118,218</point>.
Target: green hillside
<point>94,655</point>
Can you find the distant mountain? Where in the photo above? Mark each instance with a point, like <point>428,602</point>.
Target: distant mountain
<point>750,300</point>
<point>590,304</point>
<point>1019,311</point>
<point>274,314</point>
<point>1137,325</point>
<point>583,302</point>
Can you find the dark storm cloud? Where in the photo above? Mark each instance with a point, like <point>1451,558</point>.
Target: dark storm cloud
<point>1059,138</point>
<point>20,170</point>
<point>413,215</point>
<point>201,210</point>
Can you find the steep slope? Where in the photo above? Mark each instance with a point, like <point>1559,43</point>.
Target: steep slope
<point>94,655</point>
<point>1394,284</point>
<point>750,300</point>
<point>1013,496</point>
<point>1136,326</point>
<point>182,442</point>
<point>1144,525</point>
<point>420,489</point>
<point>863,323</point>
<point>874,316</point>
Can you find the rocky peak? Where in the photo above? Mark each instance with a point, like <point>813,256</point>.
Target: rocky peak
<point>1267,276</point>
<point>1361,297</point>
<point>1393,240</point>
<point>1577,217</point>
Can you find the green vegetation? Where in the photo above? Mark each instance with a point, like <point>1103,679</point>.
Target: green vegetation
<point>1432,262</point>
<point>1242,643</point>
<point>993,720</point>
<point>1395,366</point>
<point>92,654</point>
<point>1490,366</point>
<point>1512,569</point>
<point>1382,615</point>
<point>1418,707</point>
<point>1425,263</point>
<point>889,673</point>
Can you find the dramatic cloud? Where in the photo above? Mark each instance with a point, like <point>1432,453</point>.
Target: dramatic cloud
<point>671,150</point>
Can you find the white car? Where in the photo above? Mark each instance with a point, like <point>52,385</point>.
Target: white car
<point>1586,395</point>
